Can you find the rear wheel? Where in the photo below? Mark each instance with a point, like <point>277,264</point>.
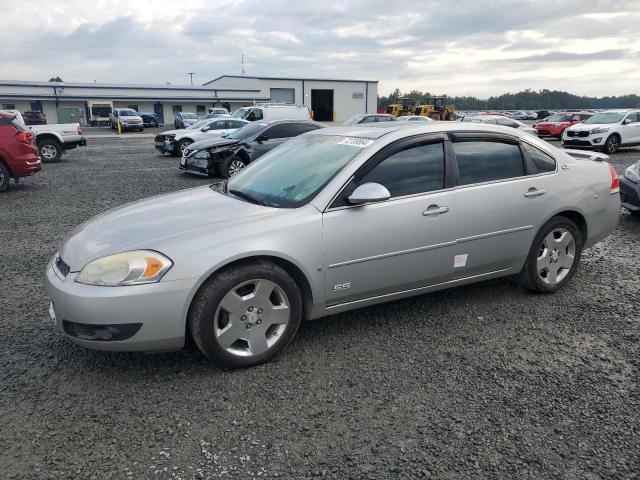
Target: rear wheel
<point>49,150</point>
<point>554,257</point>
<point>612,144</point>
<point>246,315</point>
<point>5,177</point>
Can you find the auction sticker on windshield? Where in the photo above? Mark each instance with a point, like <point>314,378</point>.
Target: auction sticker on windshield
<point>356,142</point>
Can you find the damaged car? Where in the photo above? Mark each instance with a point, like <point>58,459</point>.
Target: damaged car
<point>174,142</point>
<point>226,156</point>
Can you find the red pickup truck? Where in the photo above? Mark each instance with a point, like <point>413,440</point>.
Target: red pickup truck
<point>556,124</point>
<point>18,152</point>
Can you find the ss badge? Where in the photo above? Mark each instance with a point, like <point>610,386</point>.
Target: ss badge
<point>341,286</point>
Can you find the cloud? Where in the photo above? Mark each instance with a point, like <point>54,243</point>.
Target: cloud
<point>477,47</point>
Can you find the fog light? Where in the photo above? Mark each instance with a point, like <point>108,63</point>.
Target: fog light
<point>597,140</point>
<point>101,333</point>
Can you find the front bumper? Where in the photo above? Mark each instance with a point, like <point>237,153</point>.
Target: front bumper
<point>630,194</point>
<point>161,309</point>
<point>590,141</point>
<point>199,166</point>
<point>132,126</point>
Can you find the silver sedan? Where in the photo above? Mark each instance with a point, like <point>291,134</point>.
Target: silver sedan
<point>330,221</point>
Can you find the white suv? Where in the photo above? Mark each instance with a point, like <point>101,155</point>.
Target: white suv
<point>607,131</point>
<point>128,118</point>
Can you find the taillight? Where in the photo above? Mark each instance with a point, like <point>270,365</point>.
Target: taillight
<point>615,181</point>
<point>24,136</point>
<point>79,131</point>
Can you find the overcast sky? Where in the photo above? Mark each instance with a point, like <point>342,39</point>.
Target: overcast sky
<point>466,47</point>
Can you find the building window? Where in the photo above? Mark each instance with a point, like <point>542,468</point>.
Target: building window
<point>133,107</point>
<point>200,109</point>
<point>177,108</point>
<point>8,106</point>
<point>358,95</point>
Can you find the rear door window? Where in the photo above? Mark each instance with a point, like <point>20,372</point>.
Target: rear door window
<point>487,160</point>
<point>368,120</point>
<point>300,128</point>
<point>538,161</point>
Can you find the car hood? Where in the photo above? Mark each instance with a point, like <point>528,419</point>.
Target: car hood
<point>213,143</point>
<point>590,126</point>
<point>172,132</point>
<point>146,223</point>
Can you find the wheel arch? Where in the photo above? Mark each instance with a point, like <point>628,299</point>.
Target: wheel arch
<point>49,136</point>
<point>576,217</point>
<point>6,164</point>
<point>287,265</point>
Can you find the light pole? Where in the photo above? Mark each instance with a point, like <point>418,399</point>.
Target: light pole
<point>191,74</point>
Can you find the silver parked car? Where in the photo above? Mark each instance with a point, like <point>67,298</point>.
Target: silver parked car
<point>332,220</point>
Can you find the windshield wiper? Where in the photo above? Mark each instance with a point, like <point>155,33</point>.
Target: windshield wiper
<point>247,196</point>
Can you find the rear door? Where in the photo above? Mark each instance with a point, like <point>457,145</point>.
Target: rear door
<point>271,138</point>
<point>631,131</point>
<point>503,198</point>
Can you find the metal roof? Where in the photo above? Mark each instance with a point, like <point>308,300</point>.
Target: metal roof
<point>118,86</point>
<point>305,79</point>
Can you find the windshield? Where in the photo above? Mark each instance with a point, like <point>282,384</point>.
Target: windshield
<point>353,120</point>
<point>128,113</point>
<point>293,173</point>
<point>240,113</point>
<point>559,117</point>
<point>605,117</point>
<point>248,131</point>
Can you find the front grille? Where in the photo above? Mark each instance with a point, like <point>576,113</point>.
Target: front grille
<point>159,138</point>
<point>573,133</point>
<point>577,143</point>
<point>62,267</point>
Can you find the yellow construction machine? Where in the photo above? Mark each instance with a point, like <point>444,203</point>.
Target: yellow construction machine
<point>436,109</point>
<point>403,108</point>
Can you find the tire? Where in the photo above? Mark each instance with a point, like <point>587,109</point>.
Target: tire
<point>231,166</point>
<point>549,265</point>
<point>612,144</point>
<point>49,150</point>
<point>5,177</point>
<point>181,145</point>
<point>435,116</point>
<point>246,315</point>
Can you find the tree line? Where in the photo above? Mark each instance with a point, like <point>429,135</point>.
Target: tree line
<point>525,100</point>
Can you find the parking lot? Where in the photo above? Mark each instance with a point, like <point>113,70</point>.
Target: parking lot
<point>481,381</point>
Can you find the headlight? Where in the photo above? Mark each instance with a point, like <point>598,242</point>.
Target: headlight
<point>600,130</point>
<point>633,173</point>
<point>128,268</point>
<point>201,154</point>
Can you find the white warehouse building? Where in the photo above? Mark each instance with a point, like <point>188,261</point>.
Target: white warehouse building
<point>70,102</point>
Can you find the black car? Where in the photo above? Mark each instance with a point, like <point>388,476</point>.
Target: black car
<point>228,155</point>
<point>34,118</point>
<point>630,188</point>
<point>149,119</point>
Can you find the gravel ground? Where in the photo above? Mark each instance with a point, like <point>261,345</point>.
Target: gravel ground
<point>481,381</point>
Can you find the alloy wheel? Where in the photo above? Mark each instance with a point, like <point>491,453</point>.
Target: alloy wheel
<point>235,166</point>
<point>251,318</point>
<point>612,144</point>
<point>556,256</point>
<point>48,151</point>
<point>183,146</point>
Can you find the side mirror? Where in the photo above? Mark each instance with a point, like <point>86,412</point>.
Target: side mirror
<point>205,129</point>
<point>262,138</point>
<point>369,192</point>
<point>626,121</point>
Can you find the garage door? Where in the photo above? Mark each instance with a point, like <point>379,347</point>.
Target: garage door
<point>282,95</point>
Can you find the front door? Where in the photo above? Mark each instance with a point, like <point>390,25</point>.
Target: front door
<point>400,244</point>
<point>631,130</point>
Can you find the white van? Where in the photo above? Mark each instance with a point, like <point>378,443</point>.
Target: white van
<point>272,112</point>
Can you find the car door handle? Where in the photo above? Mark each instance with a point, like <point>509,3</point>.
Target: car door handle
<point>435,210</point>
<point>534,192</point>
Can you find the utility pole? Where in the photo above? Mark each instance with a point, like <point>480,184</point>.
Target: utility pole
<point>191,74</point>
<point>242,61</point>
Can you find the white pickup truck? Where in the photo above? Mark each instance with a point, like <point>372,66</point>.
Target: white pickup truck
<point>53,139</point>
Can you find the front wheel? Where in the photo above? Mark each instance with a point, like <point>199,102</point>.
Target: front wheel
<point>612,144</point>
<point>246,315</point>
<point>232,166</point>
<point>49,150</point>
<point>554,257</point>
<point>182,146</point>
